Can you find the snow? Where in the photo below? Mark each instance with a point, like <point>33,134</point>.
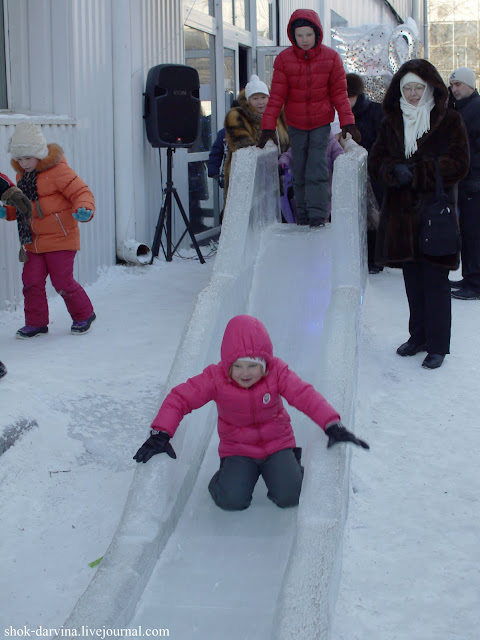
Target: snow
<point>411,555</point>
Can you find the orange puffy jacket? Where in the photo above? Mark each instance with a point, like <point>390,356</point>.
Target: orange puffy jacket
<point>60,193</point>
<point>311,84</point>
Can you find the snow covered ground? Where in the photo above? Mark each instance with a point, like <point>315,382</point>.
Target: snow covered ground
<point>411,566</point>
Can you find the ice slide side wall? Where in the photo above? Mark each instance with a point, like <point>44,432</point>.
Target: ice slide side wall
<point>160,489</point>
<point>150,514</point>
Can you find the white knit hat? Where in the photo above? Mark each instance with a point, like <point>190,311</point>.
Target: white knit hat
<point>27,140</point>
<point>259,361</point>
<point>463,74</point>
<point>255,86</point>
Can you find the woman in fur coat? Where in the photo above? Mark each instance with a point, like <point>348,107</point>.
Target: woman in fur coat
<point>416,131</point>
<point>242,123</point>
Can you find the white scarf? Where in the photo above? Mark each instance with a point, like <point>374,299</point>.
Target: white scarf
<point>416,120</point>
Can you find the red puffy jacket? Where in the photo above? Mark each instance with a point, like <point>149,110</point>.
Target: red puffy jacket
<point>311,84</point>
<point>251,422</point>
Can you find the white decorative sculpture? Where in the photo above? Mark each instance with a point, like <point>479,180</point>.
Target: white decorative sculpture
<point>376,52</point>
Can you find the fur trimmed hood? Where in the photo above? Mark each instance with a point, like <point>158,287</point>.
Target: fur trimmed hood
<point>55,156</point>
<point>426,71</point>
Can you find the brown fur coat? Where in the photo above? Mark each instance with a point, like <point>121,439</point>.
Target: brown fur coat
<point>242,129</point>
<point>397,237</point>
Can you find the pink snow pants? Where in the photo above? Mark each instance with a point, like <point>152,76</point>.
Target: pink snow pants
<point>59,266</point>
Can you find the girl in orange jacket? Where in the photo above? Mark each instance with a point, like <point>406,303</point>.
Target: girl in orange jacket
<point>60,199</point>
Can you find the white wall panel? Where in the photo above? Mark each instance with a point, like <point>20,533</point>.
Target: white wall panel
<point>93,150</point>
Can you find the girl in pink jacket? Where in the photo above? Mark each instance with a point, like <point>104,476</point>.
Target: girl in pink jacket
<point>256,435</point>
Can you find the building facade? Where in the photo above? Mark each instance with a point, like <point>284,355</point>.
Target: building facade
<point>79,68</point>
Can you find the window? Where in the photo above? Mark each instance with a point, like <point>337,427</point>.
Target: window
<point>3,65</point>
<point>264,19</point>
<point>202,6</point>
<point>237,12</point>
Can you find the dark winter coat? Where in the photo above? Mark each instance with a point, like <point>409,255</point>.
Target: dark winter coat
<point>242,125</point>
<point>469,109</point>
<point>311,84</point>
<point>368,118</point>
<point>397,237</point>
<point>216,155</point>
<point>251,422</point>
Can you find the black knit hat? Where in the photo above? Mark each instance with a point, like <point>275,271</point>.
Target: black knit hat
<point>355,86</point>
<point>302,22</point>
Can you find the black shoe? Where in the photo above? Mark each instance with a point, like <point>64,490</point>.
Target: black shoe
<point>433,361</point>
<point>465,294</point>
<point>3,370</point>
<point>30,332</point>
<point>372,268</point>
<point>79,328</point>
<point>410,349</point>
<point>316,224</point>
<point>459,284</point>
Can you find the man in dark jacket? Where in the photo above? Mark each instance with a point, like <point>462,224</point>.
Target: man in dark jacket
<point>466,100</point>
<point>368,117</point>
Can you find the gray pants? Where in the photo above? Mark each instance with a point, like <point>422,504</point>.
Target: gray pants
<point>232,485</point>
<point>310,173</point>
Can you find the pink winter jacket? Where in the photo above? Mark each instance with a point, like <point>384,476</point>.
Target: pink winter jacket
<point>251,422</point>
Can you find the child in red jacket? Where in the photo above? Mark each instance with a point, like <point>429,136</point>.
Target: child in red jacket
<point>50,239</point>
<point>309,80</point>
<point>256,435</point>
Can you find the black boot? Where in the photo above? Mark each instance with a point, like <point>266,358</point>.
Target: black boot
<point>433,361</point>
<point>410,349</point>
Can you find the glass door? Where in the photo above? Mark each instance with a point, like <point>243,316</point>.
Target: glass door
<point>200,54</point>
<point>265,58</point>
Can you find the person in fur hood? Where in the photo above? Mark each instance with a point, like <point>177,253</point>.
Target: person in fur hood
<point>60,200</point>
<point>242,123</point>
<point>417,130</point>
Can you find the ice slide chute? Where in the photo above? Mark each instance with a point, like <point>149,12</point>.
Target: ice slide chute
<point>177,561</point>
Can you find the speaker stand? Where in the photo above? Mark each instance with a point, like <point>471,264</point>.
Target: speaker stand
<point>164,223</point>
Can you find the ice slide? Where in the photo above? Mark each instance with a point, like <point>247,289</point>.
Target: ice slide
<point>177,561</point>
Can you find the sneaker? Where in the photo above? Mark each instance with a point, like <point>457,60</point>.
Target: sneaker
<point>465,294</point>
<point>459,284</point>
<point>372,268</point>
<point>3,370</point>
<point>83,326</point>
<point>433,361</point>
<point>410,349</point>
<point>30,332</point>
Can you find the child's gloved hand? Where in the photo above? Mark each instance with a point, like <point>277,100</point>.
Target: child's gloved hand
<point>158,442</point>
<point>3,212</point>
<point>265,136</point>
<point>353,131</point>
<point>82,215</point>
<point>338,433</point>
<point>15,197</point>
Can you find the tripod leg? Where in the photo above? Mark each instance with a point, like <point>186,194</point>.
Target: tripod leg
<point>188,227</point>
<point>167,202</point>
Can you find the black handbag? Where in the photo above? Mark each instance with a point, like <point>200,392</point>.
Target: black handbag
<point>439,233</point>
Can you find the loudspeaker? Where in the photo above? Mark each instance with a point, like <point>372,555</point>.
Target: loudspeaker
<point>172,105</point>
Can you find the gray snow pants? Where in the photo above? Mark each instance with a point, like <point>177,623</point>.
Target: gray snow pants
<point>310,172</point>
<point>232,485</point>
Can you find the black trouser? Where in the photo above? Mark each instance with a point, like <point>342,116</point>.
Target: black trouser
<point>469,207</point>
<point>232,485</point>
<point>429,299</point>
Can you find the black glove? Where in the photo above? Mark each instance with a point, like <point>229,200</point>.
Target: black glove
<point>219,179</point>
<point>15,197</point>
<point>403,174</point>
<point>265,136</point>
<point>353,131</point>
<point>158,442</point>
<point>338,433</point>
